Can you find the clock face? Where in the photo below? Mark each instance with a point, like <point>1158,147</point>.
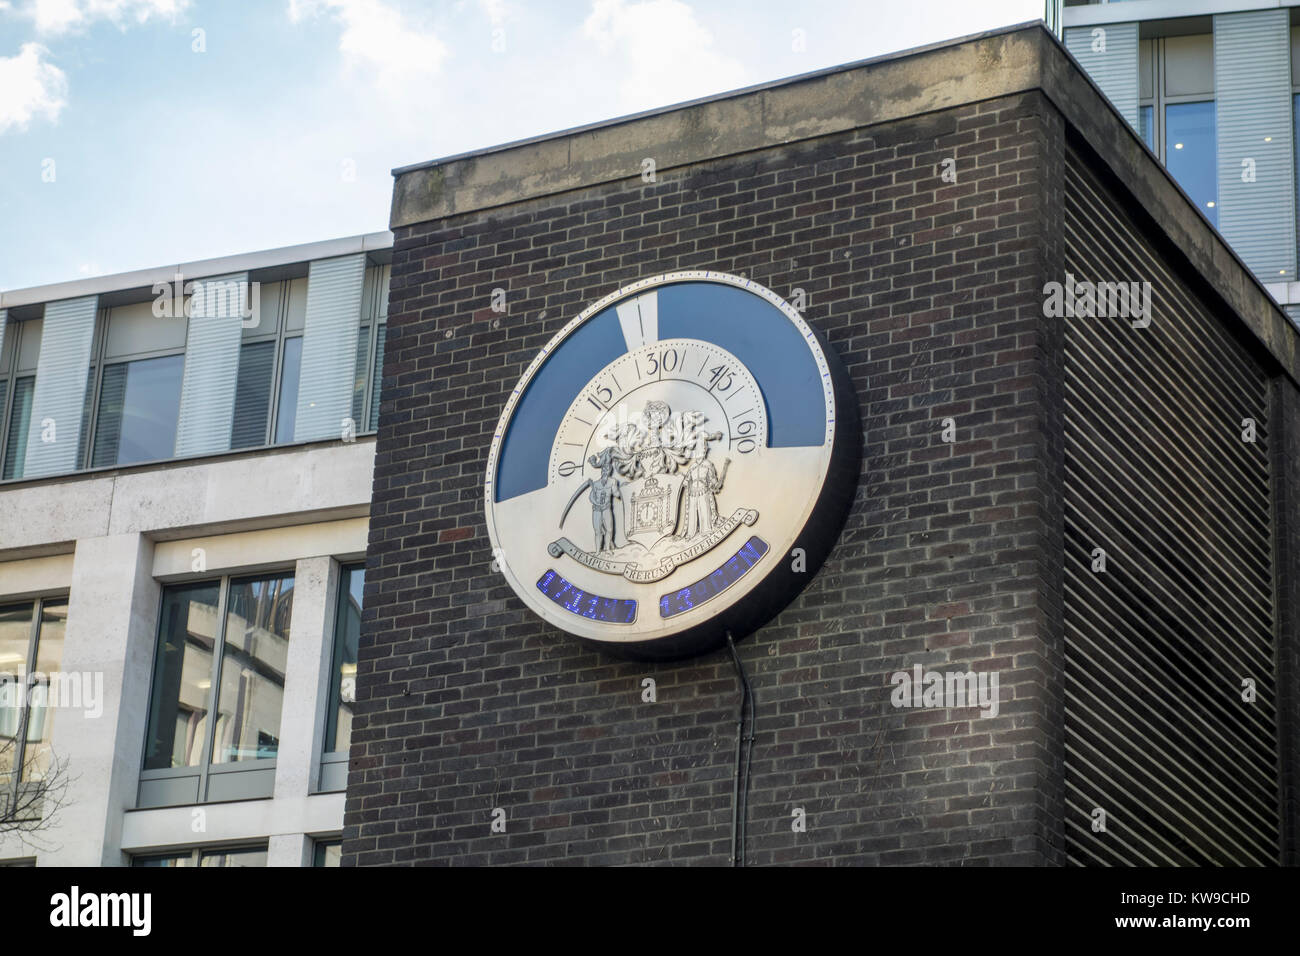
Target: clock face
<point>672,467</point>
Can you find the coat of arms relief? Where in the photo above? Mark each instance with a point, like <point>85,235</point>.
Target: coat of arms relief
<point>654,505</point>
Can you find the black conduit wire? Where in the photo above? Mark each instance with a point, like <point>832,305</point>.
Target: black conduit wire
<point>740,793</point>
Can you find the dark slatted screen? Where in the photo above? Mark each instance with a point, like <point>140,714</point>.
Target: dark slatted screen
<point>1159,477</point>
<point>87,403</point>
<point>377,375</point>
<point>252,395</point>
<point>108,423</point>
<point>19,424</point>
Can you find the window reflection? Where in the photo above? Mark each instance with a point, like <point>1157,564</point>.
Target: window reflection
<point>287,415</point>
<point>1190,153</point>
<point>139,405</point>
<point>164,859</point>
<point>347,636</point>
<point>43,697</point>
<point>327,853</point>
<point>242,856</point>
<point>250,857</point>
<point>15,633</point>
<point>182,677</point>
<point>253,662</point>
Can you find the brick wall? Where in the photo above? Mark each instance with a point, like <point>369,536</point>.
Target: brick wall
<point>929,292</point>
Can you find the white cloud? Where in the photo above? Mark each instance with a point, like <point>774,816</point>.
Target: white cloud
<point>30,86</point>
<point>660,52</point>
<point>54,17</point>
<point>379,37</point>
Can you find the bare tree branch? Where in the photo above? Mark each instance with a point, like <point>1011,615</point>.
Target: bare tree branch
<point>29,808</point>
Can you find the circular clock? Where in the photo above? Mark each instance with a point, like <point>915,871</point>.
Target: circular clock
<point>673,466</point>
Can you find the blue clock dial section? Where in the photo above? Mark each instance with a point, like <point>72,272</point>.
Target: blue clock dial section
<point>584,603</point>
<point>731,571</point>
<point>759,334</point>
<point>526,448</point>
<point>766,342</point>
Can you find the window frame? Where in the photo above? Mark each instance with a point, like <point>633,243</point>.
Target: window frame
<point>374,313</point>
<point>95,374</point>
<point>9,791</point>
<point>197,853</point>
<point>330,761</point>
<point>205,769</point>
<point>1159,98</point>
<point>9,377</point>
<point>1295,147</point>
<point>322,843</point>
<point>279,335</point>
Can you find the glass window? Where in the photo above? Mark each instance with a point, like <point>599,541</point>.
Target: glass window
<point>347,636</point>
<point>139,405</point>
<point>41,694</point>
<point>31,652</point>
<point>234,856</point>
<point>164,859</point>
<point>270,366</point>
<point>1295,126</point>
<point>1190,153</point>
<point>254,654</point>
<point>247,857</point>
<point>369,372</point>
<point>182,677</point>
<point>242,653</point>
<point>327,853</point>
<point>290,369</point>
<point>15,637</point>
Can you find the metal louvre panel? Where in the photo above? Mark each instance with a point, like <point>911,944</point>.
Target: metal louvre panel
<point>211,364</point>
<point>4,321</point>
<point>1115,70</point>
<point>1158,476</point>
<point>1252,68</point>
<point>69,329</point>
<point>329,346</point>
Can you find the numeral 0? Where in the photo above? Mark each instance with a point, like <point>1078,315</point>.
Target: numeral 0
<point>745,444</point>
<point>567,468</point>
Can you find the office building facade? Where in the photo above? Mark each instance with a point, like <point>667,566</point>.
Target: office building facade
<point>1213,88</point>
<point>187,456</point>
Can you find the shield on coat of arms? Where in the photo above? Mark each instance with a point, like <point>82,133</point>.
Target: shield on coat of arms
<point>652,505</point>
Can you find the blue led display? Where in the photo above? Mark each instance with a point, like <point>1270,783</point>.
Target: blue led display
<point>731,571</point>
<point>584,603</point>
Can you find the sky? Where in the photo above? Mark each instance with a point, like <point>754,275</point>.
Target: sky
<point>138,133</point>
